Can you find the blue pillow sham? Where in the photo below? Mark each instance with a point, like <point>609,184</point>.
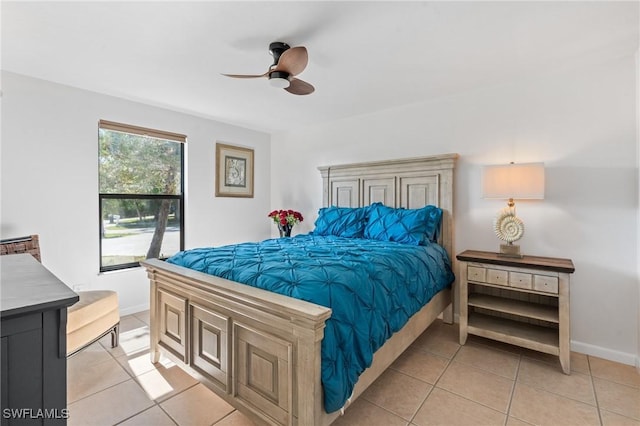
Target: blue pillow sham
<point>341,221</point>
<point>406,226</point>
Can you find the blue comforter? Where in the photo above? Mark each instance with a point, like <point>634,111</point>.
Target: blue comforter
<point>373,288</point>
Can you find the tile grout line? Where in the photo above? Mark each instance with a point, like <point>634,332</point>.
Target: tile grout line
<point>449,363</point>
<point>101,390</point>
<point>487,370</point>
<point>361,396</point>
<point>593,388</point>
<point>433,386</point>
<point>219,420</point>
<point>182,391</point>
<point>513,390</point>
<point>435,382</point>
<point>112,386</point>
<point>158,404</point>
<point>484,371</point>
<point>97,392</point>
<point>167,413</point>
<point>558,393</point>
<point>155,404</point>
<point>625,415</point>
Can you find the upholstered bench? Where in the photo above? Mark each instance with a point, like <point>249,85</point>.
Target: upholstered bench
<point>93,317</point>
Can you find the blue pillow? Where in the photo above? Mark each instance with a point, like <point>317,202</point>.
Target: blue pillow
<point>341,221</point>
<point>434,218</point>
<point>407,226</point>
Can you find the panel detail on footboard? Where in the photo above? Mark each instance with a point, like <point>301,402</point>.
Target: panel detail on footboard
<point>263,373</point>
<point>172,310</point>
<point>210,336</point>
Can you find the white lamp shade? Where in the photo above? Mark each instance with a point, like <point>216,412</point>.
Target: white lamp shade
<point>517,181</point>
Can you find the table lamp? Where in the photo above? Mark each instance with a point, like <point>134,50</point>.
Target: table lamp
<point>512,182</point>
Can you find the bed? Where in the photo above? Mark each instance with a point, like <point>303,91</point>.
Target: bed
<point>260,350</point>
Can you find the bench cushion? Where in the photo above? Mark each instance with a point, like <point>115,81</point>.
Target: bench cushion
<point>94,314</point>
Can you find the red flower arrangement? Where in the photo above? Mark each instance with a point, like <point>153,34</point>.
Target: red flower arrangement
<point>285,219</point>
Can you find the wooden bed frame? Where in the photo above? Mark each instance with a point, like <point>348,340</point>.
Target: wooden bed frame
<point>260,351</point>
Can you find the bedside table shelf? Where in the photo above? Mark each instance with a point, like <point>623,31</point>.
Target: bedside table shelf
<point>517,333</point>
<point>515,307</point>
<point>523,302</point>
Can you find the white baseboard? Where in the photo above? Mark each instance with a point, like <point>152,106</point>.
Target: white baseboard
<point>133,310</point>
<point>600,352</point>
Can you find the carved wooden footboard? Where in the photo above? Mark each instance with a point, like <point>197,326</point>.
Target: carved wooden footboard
<point>254,348</point>
<point>260,351</point>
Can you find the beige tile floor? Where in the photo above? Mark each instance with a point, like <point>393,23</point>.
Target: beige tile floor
<point>436,382</point>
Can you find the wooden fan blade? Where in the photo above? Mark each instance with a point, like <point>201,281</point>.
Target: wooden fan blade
<point>293,61</point>
<point>299,87</point>
<point>247,75</point>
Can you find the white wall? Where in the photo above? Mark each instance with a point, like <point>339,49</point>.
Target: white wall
<point>580,122</point>
<point>638,203</point>
<point>49,158</point>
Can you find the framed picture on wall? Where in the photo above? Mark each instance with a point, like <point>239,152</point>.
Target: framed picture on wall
<point>234,174</point>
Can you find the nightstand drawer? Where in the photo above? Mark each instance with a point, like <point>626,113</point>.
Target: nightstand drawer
<point>496,276</point>
<point>545,283</point>
<point>520,280</point>
<point>476,274</point>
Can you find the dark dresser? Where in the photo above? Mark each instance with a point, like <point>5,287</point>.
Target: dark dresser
<point>33,322</point>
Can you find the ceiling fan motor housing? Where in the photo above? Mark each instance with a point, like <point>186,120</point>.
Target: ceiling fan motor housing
<point>278,79</point>
<point>276,49</point>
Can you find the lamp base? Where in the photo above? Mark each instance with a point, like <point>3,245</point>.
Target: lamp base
<point>510,250</point>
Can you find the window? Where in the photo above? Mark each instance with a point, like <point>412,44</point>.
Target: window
<point>141,202</point>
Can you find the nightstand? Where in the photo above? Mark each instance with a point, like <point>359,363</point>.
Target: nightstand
<point>523,302</point>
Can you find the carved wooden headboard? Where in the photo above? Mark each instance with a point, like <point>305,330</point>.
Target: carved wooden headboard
<point>410,183</point>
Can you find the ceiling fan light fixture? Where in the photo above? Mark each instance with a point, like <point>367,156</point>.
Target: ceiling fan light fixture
<point>279,79</point>
<point>288,62</point>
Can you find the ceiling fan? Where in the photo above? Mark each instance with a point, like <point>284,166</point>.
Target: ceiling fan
<point>287,63</point>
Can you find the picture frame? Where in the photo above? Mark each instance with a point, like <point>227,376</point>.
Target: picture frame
<point>234,171</point>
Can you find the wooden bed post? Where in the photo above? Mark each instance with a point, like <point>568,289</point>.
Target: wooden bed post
<point>153,318</point>
<point>309,403</point>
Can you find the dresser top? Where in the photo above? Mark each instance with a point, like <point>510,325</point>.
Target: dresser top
<point>545,263</point>
<point>26,286</point>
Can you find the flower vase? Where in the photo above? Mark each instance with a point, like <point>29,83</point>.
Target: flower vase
<point>285,230</point>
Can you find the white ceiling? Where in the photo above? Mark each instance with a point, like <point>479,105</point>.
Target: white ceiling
<point>363,56</point>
